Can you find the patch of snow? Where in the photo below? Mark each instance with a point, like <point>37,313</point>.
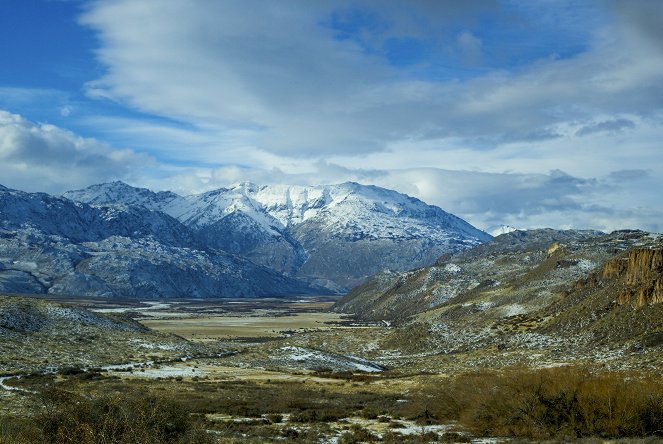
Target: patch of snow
<point>24,265</point>
<point>513,310</point>
<point>165,372</point>
<point>452,268</point>
<point>497,230</point>
<point>316,358</point>
<point>152,346</point>
<point>586,265</point>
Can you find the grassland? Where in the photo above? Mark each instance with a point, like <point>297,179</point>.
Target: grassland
<point>214,328</point>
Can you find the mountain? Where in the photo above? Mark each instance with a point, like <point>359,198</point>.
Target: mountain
<point>560,290</point>
<point>81,222</point>
<point>54,245</point>
<point>332,235</point>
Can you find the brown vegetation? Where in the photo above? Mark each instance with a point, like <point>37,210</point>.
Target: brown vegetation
<point>129,418</point>
<point>548,403</point>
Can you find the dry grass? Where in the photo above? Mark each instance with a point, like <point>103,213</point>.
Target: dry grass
<point>223,327</point>
<point>549,404</point>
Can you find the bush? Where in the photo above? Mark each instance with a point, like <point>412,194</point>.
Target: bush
<point>19,431</point>
<point>129,418</point>
<point>559,403</point>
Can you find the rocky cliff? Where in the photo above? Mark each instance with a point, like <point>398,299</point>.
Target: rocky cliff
<point>643,277</point>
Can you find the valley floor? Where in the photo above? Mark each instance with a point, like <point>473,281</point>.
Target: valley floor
<point>288,370</point>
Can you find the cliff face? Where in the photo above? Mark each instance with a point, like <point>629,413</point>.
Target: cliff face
<point>642,273</point>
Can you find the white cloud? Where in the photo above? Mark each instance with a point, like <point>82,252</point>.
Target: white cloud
<point>43,157</point>
<point>615,199</point>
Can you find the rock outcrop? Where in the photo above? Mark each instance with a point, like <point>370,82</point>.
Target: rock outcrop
<point>643,278</point>
<point>641,272</point>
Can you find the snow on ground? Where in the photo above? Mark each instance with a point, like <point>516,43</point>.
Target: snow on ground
<point>168,371</point>
<point>513,310</point>
<point>148,370</point>
<point>452,268</point>
<point>586,265</point>
<point>316,359</point>
<point>152,346</point>
<point>11,388</point>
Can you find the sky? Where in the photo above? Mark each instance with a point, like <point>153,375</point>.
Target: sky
<point>529,113</point>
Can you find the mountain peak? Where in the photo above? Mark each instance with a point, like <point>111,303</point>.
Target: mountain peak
<point>246,185</point>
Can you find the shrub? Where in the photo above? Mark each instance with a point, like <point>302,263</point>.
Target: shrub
<point>547,403</point>
<point>118,418</point>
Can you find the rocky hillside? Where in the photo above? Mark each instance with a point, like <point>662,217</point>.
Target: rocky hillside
<point>568,294</point>
<point>38,335</point>
<point>620,300</point>
<point>512,273</point>
<point>333,235</point>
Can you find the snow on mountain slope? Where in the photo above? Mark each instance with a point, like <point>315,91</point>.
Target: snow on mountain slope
<point>497,230</point>
<point>367,212</point>
<point>332,234</point>
<point>33,262</point>
<point>81,222</point>
<point>54,245</point>
<point>120,192</point>
<point>347,209</point>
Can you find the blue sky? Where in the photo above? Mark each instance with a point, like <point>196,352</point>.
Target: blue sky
<point>529,113</point>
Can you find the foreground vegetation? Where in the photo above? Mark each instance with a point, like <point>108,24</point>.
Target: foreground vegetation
<point>551,403</point>
<point>130,417</point>
<point>543,404</point>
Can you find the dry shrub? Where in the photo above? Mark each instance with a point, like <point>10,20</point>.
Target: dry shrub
<point>19,431</point>
<point>562,402</point>
<point>130,418</point>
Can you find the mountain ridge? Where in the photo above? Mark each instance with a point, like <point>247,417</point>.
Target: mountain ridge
<point>309,227</point>
<point>114,240</point>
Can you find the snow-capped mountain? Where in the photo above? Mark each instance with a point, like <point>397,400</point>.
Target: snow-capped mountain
<point>334,235</point>
<point>54,245</point>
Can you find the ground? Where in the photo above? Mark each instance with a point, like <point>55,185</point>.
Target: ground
<point>288,369</point>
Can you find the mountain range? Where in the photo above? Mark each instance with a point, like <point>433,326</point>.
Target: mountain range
<point>114,240</point>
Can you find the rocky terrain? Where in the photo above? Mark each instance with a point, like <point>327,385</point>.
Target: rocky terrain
<point>39,335</point>
<point>568,295</point>
<point>54,245</point>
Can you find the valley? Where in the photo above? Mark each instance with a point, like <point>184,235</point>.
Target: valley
<point>291,369</point>
<point>445,334</point>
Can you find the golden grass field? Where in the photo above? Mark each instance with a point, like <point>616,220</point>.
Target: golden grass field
<point>213,328</point>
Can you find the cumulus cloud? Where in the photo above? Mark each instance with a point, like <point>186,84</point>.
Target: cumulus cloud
<point>43,157</point>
